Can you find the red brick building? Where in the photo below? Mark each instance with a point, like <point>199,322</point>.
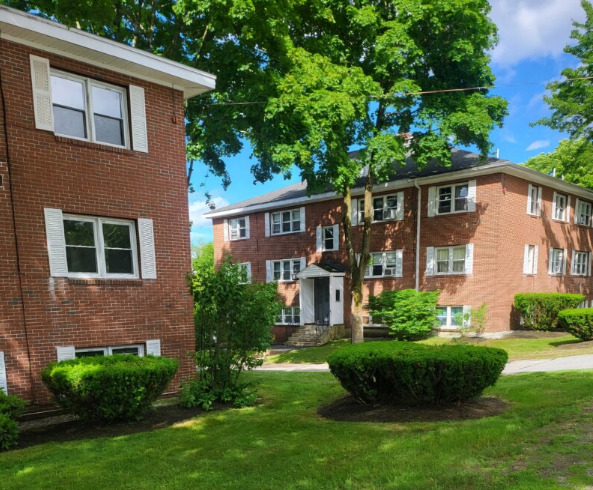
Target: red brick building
<point>477,231</point>
<point>93,201</point>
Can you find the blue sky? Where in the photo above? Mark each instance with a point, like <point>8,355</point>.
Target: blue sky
<point>532,36</point>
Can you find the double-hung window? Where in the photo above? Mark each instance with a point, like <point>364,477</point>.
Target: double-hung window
<point>453,198</point>
<point>284,270</point>
<point>245,271</point>
<point>238,228</point>
<point>286,222</point>
<point>580,265</point>
<point>451,316</point>
<point>384,207</point>
<point>450,260</point>
<point>530,258</point>
<point>100,247</point>
<point>90,110</point>
<point>328,238</point>
<point>560,207</point>
<point>557,261</point>
<point>382,264</point>
<point>534,200</point>
<point>583,213</point>
<point>289,316</point>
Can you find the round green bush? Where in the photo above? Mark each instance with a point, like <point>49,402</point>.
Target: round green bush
<point>9,432</point>
<point>402,372</point>
<point>118,387</point>
<point>578,322</point>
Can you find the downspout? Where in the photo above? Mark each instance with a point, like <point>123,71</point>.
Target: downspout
<point>418,210</point>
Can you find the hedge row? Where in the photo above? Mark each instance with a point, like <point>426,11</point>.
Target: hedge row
<point>540,310</point>
<point>402,372</point>
<point>11,407</point>
<point>579,322</point>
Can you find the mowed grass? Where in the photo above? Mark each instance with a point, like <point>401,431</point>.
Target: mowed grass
<point>544,440</point>
<point>546,346</point>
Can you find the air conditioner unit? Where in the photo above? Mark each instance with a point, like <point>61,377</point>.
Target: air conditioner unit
<point>390,271</point>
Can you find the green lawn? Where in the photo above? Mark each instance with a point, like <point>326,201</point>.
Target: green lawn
<point>545,440</point>
<point>545,347</point>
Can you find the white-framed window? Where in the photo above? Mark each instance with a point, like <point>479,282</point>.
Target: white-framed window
<point>452,316</point>
<point>581,263</point>
<point>284,270</point>
<point>385,208</point>
<point>238,228</point>
<point>135,350</point>
<point>582,213</point>
<point>283,222</point>
<point>450,260</point>
<point>560,207</point>
<point>534,200</point>
<point>530,259</point>
<point>557,261</point>
<point>583,304</point>
<point>86,109</point>
<point>385,264</point>
<point>452,198</point>
<point>328,238</point>
<point>290,315</point>
<point>100,247</point>
<point>245,270</point>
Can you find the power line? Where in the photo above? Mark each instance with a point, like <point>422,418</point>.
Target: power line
<point>423,92</point>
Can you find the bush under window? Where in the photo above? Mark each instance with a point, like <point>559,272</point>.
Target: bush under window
<point>540,310</point>
<point>118,387</point>
<point>578,322</point>
<point>11,407</point>
<point>403,373</point>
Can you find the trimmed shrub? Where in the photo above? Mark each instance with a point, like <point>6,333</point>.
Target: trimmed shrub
<point>118,387</point>
<point>540,310</point>
<point>11,407</point>
<point>578,322</point>
<point>400,372</point>
<point>409,314</point>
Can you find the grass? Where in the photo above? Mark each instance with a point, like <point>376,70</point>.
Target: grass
<point>545,440</point>
<point>545,347</point>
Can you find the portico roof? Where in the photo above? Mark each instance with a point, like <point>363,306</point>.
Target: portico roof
<point>321,270</point>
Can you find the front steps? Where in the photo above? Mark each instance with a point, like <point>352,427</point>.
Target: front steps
<point>312,335</point>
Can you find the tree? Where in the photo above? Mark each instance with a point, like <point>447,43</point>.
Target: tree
<point>571,161</point>
<point>571,99</point>
<point>203,258</point>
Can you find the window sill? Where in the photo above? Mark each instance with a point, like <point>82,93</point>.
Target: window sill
<point>105,282</point>
<point>534,215</point>
<point>286,233</point>
<point>382,277</point>
<point>90,144</point>
<point>238,239</point>
<point>560,220</point>
<point>452,212</point>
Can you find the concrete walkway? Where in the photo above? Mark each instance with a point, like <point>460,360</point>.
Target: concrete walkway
<point>514,367</point>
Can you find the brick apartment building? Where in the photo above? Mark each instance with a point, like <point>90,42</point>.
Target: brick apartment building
<point>477,231</point>
<point>93,201</point>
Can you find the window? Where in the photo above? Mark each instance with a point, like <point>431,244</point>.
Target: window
<point>530,258</point>
<point>89,110</point>
<point>534,200</point>
<point>285,270</point>
<point>385,264</point>
<point>238,228</point>
<point>450,260</point>
<point>560,207</point>
<point>328,238</point>
<point>583,304</point>
<point>580,264</point>
<point>453,198</point>
<point>583,213</point>
<point>245,270</point>
<point>384,207</point>
<point>100,247</point>
<point>287,221</point>
<point>135,350</point>
<point>451,316</point>
<point>557,261</point>
<point>289,316</point>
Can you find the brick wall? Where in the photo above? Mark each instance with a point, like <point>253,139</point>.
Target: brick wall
<point>499,229</point>
<point>84,178</point>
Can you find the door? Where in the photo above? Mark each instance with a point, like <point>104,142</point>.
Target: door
<point>322,300</point>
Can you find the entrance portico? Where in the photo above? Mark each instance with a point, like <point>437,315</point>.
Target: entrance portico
<point>321,294</point>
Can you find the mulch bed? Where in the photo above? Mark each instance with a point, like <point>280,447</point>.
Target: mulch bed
<point>348,409</point>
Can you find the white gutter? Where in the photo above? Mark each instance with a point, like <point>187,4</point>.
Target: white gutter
<point>419,210</point>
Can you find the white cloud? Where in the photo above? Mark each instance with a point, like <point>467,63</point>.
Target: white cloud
<point>538,145</point>
<point>530,29</point>
<point>198,208</point>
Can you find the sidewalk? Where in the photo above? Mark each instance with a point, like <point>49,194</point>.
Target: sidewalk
<point>514,367</point>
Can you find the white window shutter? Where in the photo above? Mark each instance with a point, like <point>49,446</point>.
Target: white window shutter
<point>303,227</point>
<point>469,258</point>
<point>471,196</point>
<point>267,224</point>
<point>399,212</point>
<point>576,211</point>
<point>535,259</point>
<point>42,103</point>
<point>354,212</point>
<point>269,275</point>
<point>550,259</point>
<point>399,255</point>
<point>526,260</point>
<point>357,256</point>
<point>247,228</point>
<point>567,216</point>
<point>467,320</point>
<point>3,377</point>
<point>138,123</point>
<point>319,239</point>
<point>572,264</point>
<point>336,237</point>
<point>65,353</point>
<point>564,254</point>
<point>56,242</point>
<point>430,261</point>
<point>432,201</point>
<point>589,264</point>
<point>539,201</point>
<point>248,267</point>
<point>153,347</point>
<point>303,263</point>
<point>529,193</point>
<point>147,249</point>
<point>554,206</point>
<point>225,230</point>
